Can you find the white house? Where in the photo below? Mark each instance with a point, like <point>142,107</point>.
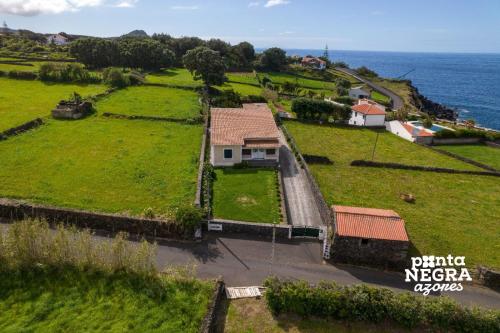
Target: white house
<point>358,93</point>
<point>57,39</point>
<point>367,113</point>
<point>313,62</point>
<point>410,132</point>
<point>244,134</point>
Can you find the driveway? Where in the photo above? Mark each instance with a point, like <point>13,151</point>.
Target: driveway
<point>397,101</point>
<point>299,200</point>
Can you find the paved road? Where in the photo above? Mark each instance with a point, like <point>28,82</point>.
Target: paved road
<point>299,200</point>
<point>397,101</point>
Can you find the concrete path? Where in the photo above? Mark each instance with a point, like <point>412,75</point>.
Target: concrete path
<point>299,200</point>
<point>397,101</point>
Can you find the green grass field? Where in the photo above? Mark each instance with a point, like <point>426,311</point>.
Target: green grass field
<point>246,195</point>
<point>245,78</point>
<point>242,89</point>
<point>107,165</point>
<point>479,153</point>
<point>22,100</point>
<point>453,213</point>
<point>175,76</point>
<point>280,78</point>
<point>152,101</point>
<point>253,316</point>
<point>378,97</point>
<point>15,67</point>
<point>67,300</point>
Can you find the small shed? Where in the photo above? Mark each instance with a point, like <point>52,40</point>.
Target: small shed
<point>71,110</point>
<point>369,236</point>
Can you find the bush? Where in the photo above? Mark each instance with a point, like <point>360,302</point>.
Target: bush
<point>467,133</point>
<point>312,109</point>
<point>226,99</point>
<point>365,71</point>
<point>253,99</point>
<point>66,72</point>
<point>365,303</point>
<point>115,78</point>
<point>344,100</point>
<point>22,75</point>
<point>188,216</point>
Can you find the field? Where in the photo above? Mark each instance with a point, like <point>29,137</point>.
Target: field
<point>176,77</point>
<point>101,164</point>
<point>246,195</point>
<point>453,213</point>
<point>378,97</point>
<point>242,89</point>
<point>68,300</point>
<point>280,78</point>
<point>152,101</point>
<point>15,67</point>
<point>400,88</point>
<point>245,78</point>
<point>22,101</point>
<point>253,316</point>
<point>479,153</point>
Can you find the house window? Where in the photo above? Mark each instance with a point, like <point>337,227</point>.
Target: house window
<point>355,114</point>
<point>246,152</point>
<point>228,154</point>
<point>270,151</point>
<point>365,241</point>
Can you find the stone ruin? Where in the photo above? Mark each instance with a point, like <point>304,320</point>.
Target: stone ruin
<point>71,110</point>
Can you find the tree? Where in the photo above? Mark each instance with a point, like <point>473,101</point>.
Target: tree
<point>273,59</point>
<point>220,46</point>
<point>115,78</point>
<point>144,53</point>
<point>427,122</point>
<point>206,65</point>
<point>240,57</point>
<point>402,114</point>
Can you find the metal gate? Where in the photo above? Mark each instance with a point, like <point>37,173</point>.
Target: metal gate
<point>306,231</point>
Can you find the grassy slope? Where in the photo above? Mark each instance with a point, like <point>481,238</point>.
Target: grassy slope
<point>175,76</point>
<point>246,195</point>
<point>280,78</point>
<point>455,214</point>
<point>152,101</point>
<point>480,153</point>
<point>105,165</point>
<point>72,301</point>
<point>22,101</point>
<point>242,89</point>
<point>245,78</point>
<point>378,97</point>
<point>253,316</point>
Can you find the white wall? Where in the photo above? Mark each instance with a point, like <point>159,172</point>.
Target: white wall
<point>397,128</point>
<point>375,120</point>
<point>357,119</point>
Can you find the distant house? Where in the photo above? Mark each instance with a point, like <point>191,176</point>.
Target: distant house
<point>358,93</point>
<point>313,62</point>
<point>367,113</point>
<point>369,236</point>
<point>57,39</point>
<point>410,132</point>
<point>244,134</point>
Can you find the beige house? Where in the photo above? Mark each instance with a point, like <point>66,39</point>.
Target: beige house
<point>243,134</point>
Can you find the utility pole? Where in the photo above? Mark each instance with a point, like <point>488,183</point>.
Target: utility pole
<point>326,54</point>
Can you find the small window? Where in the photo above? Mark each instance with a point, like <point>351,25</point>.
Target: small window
<point>270,151</point>
<point>246,152</point>
<point>228,154</point>
<point>355,114</point>
<point>365,241</point>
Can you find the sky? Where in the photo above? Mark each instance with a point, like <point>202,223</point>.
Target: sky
<point>374,25</point>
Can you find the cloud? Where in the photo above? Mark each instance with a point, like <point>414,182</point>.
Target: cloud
<point>37,7</point>
<point>253,4</point>
<point>194,7</point>
<point>272,3</point>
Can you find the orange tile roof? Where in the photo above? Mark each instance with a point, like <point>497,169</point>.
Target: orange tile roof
<point>369,223</point>
<point>232,126</point>
<point>368,109</point>
<point>261,143</point>
<point>414,131</point>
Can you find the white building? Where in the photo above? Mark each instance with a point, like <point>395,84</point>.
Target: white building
<point>57,39</point>
<point>410,132</point>
<point>358,93</point>
<point>367,113</point>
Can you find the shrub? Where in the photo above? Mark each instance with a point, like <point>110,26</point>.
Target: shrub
<point>148,213</point>
<point>115,77</point>
<point>365,303</point>
<point>253,99</point>
<point>188,216</point>
<point>22,75</point>
<point>318,109</point>
<point>365,71</point>
<point>344,100</point>
<point>66,72</point>
<point>270,95</point>
<point>226,99</point>
<point>467,133</point>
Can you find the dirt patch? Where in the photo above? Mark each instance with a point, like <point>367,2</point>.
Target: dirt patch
<point>246,201</point>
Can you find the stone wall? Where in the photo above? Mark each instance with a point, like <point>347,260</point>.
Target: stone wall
<point>250,228</point>
<point>455,141</point>
<point>489,278</point>
<point>20,129</point>
<point>373,164</point>
<point>17,210</point>
<point>153,118</point>
<point>199,181</point>
<point>209,324</point>
<point>378,253</point>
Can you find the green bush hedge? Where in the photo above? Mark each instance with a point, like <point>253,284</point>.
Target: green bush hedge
<point>467,133</point>
<point>370,304</point>
<point>66,72</point>
<point>22,75</point>
<point>314,109</point>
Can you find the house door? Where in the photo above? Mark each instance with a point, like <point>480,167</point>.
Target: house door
<point>258,154</point>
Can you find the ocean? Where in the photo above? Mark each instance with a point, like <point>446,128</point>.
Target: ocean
<point>467,82</point>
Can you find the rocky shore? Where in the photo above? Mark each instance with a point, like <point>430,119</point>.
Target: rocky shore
<point>430,107</point>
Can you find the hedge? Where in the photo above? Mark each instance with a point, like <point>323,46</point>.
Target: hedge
<point>314,109</point>
<point>467,133</point>
<point>370,304</point>
<point>22,75</point>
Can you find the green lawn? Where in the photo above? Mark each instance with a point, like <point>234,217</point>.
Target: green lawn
<point>152,101</point>
<point>68,300</point>
<point>253,316</point>
<point>245,78</point>
<point>280,78</point>
<point>22,100</point>
<point>246,195</point>
<point>14,67</point>
<point>378,97</point>
<point>176,76</point>
<point>242,89</point>
<point>479,153</point>
<point>453,213</point>
<point>103,164</point>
